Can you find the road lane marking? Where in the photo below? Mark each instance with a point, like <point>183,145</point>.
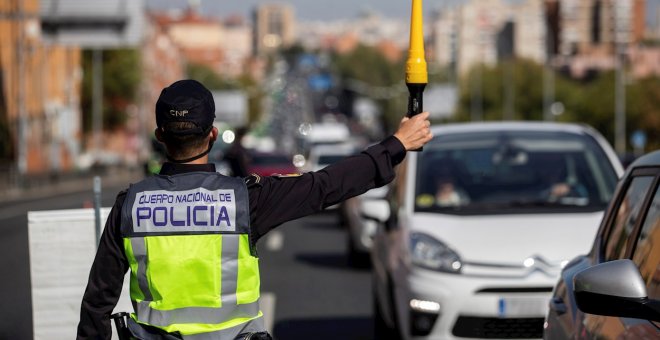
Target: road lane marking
<point>275,241</point>
<point>267,306</point>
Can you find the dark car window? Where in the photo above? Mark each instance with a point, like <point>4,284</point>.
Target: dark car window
<point>513,172</point>
<point>625,218</point>
<point>647,251</point>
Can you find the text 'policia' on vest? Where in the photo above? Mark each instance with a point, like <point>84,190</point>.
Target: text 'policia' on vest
<point>190,208</point>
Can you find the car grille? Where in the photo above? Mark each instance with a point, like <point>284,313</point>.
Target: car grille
<point>497,328</point>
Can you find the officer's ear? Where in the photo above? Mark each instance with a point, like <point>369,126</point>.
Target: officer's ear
<point>159,135</point>
<point>213,134</point>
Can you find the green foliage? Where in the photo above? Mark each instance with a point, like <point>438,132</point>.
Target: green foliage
<point>291,53</point>
<point>520,82</point>
<point>121,82</point>
<point>367,65</point>
<point>590,102</point>
<point>209,78</point>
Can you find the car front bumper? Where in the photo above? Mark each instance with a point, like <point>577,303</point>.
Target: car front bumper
<point>476,307</point>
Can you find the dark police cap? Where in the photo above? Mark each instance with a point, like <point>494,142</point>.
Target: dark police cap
<point>186,101</point>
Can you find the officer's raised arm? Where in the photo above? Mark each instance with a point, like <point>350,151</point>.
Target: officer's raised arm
<point>177,230</point>
<point>276,200</point>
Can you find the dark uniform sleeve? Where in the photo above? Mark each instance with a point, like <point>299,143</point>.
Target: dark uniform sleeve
<point>105,279</point>
<point>275,200</point>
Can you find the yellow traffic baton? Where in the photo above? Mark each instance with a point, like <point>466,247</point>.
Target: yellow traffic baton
<point>416,72</point>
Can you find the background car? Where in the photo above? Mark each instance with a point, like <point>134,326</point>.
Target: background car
<point>620,276</point>
<point>323,155</point>
<point>360,229</point>
<point>478,225</point>
<point>271,163</point>
<point>216,156</point>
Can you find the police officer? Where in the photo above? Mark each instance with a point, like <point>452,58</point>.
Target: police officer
<point>189,234</point>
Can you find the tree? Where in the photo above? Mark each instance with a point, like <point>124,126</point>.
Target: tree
<point>121,81</point>
<point>384,79</point>
<point>590,101</point>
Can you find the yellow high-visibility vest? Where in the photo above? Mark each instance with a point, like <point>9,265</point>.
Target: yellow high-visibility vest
<point>193,269</point>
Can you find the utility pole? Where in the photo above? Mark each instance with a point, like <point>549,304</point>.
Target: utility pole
<point>548,71</point>
<point>548,88</point>
<point>620,102</point>
<point>620,90</point>
<point>97,99</point>
<point>21,112</point>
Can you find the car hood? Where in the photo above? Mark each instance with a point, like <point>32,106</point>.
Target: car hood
<point>511,239</point>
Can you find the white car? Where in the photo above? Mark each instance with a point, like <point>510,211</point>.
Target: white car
<point>323,155</point>
<point>360,229</point>
<point>478,225</point>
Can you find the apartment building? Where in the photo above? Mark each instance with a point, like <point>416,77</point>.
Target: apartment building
<point>40,87</point>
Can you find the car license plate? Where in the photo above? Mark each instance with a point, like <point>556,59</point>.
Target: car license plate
<point>522,306</point>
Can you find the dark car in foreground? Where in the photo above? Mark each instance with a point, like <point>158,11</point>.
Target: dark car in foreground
<point>613,292</point>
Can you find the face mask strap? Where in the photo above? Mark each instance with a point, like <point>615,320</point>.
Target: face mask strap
<point>187,160</point>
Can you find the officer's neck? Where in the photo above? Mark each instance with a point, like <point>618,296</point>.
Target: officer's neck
<point>201,160</point>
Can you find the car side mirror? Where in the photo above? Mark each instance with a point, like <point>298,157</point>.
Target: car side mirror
<point>615,288</point>
<point>376,210</point>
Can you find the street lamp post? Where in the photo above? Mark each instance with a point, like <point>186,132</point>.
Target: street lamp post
<point>620,39</point>
<point>548,71</point>
<point>21,112</point>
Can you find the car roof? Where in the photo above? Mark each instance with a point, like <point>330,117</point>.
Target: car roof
<point>649,159</point>
<point>510,125</point>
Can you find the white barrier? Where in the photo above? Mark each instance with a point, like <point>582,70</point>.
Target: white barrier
<point>62,247</point>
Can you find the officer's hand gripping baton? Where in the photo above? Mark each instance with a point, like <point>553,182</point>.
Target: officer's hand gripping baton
<point>416,73</point>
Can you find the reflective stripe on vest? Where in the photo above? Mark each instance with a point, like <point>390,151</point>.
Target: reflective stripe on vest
<point>189,273</point>
<point>255,325</point>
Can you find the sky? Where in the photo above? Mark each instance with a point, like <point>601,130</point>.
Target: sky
<point>307,10</point>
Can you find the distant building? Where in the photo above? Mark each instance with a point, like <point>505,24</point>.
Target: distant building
<point>224,46</point>
<point>273,28</point>
<point>162,64</point>
<point>444,40</point>
<point>591,29</point>
<point>644,61</point>
<point>236,43</point>
<point>488,32</point>
<point>40,89</point>
<point>199,38</point>
<point>390,35</point>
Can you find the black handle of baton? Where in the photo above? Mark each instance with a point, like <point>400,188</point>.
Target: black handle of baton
<point>120,324</point>
<point>415,101</point>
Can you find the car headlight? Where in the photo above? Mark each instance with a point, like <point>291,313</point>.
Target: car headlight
<point>430,253</point>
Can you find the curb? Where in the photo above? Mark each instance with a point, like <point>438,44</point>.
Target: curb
<point>79,183</point>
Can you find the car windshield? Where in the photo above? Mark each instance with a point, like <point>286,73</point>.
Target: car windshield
<point>513,172</point>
